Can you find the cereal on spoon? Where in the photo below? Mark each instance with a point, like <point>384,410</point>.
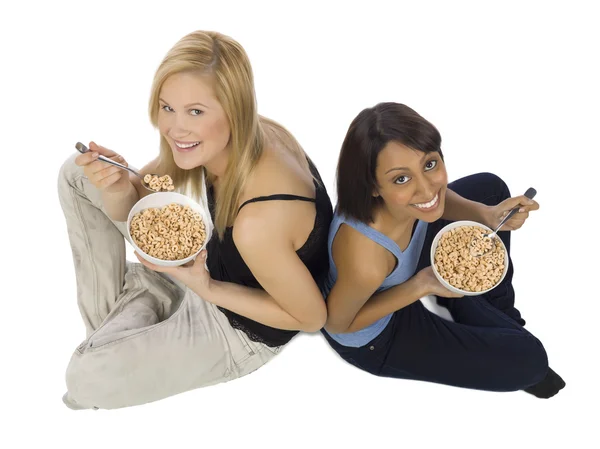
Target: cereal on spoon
<point>159,183</point>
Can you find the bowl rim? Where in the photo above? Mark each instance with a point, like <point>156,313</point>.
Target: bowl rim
<point>195,205</point>
<point>434,244</point>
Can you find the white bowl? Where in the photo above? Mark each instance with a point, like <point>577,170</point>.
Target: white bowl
<point>445,283</point>
<point>161,199</point>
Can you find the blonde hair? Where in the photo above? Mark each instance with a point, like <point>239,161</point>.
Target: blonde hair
<point>225,61</point>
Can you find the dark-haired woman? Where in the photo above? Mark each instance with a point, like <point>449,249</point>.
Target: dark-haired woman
<point>393,198</point>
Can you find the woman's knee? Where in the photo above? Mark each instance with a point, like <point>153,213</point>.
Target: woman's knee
<point>484,187</point>
<point>100,380</point>
<point>532,365</point>
<point>494,183</point>
<point>539,361</point>
<point>69,171</point>
<point>82,385</point>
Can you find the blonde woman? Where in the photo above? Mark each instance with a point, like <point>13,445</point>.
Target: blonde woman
<point>154,332</point>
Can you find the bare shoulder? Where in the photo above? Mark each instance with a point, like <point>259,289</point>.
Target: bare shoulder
<point>277,172</point>
<point>360,259</point>
<point>261,228</point>
<point>273,222</point>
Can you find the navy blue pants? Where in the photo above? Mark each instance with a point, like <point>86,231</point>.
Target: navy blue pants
<point>486,347</point>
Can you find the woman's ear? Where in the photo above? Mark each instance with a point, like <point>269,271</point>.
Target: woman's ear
<point>375,191</point>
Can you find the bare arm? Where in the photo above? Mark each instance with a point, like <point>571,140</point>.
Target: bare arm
<point>459,208</point>
<point>388,301</point>
<point>362,267</point>
<point>291,299</point>
<point>119,204</point>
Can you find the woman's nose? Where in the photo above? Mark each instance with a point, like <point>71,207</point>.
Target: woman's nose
<point>179,126</point>
<point>427,191</point>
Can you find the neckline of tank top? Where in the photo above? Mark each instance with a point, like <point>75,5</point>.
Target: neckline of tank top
<point>416,228</point>
<point>319,190</point>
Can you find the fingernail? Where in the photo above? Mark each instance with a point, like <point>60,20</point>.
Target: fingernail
<point>94,155</point>
<point>521,210</point>
<point>530,202</point>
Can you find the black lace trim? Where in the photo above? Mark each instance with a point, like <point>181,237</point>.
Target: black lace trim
<point>251,335</point>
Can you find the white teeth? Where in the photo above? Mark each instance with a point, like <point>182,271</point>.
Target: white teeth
<point>429,204</point>
<point>180,145</point>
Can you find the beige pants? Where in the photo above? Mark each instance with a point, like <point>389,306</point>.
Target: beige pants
<point>147,337</point>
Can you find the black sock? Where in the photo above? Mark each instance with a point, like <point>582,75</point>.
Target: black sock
<point>548,387</point>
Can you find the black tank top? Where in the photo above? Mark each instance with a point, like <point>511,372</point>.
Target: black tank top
<point>226,264</point>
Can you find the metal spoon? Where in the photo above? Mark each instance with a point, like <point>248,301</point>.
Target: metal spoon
<point>83,149</point>
<point>530,193</point>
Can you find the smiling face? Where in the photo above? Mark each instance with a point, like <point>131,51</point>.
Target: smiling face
<point>193,122</point>
<point>411,183</point>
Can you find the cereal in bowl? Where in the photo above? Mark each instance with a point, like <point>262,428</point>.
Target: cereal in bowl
<point>455,263</point>
<point>172,232</point>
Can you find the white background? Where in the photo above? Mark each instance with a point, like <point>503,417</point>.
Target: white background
<point>513,89</point>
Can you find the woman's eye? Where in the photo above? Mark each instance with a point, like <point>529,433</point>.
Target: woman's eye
<point>431,164</point>
<point>402,180</point>
<point>196,111</point>
<point>167,108</point>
